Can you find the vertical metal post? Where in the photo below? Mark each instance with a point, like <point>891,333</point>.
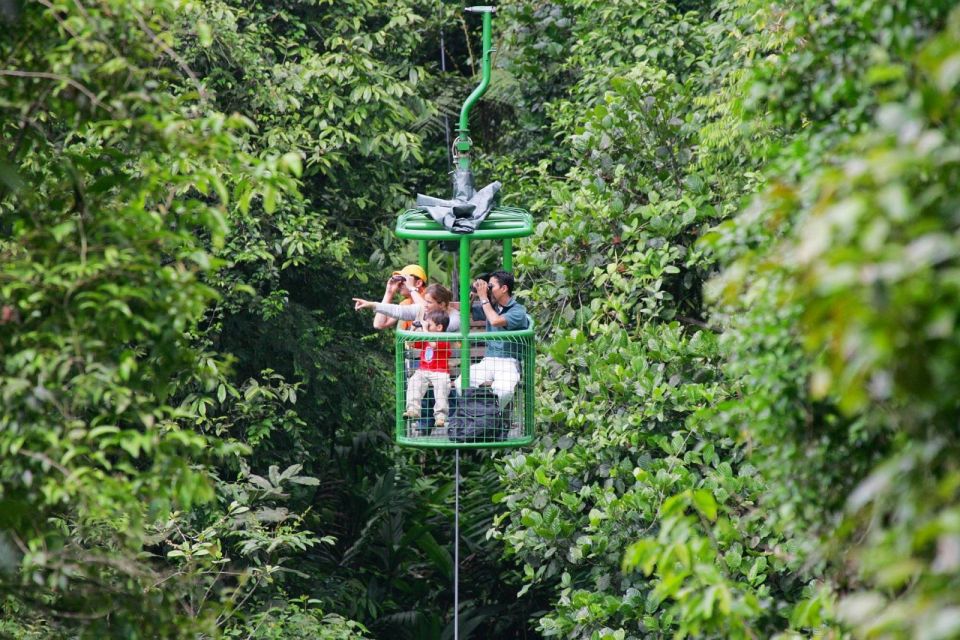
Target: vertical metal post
<point>464,313</point>
<point>508,255</point>
<point>423,253</point>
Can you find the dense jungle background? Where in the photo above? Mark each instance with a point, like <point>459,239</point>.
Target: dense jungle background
<point>745,277</point>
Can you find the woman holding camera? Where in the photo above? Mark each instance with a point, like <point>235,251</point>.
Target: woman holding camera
<point>436,297</point>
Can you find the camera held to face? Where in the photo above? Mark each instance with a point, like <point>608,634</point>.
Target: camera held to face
<point>485,277</point>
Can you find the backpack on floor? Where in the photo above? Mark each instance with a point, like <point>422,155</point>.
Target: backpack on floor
<point>476,417</point>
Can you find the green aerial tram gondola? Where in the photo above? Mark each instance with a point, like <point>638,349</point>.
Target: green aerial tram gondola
<point>490,363</point>
<point>514,421</point>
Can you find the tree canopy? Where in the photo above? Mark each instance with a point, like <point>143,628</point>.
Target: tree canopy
<point>742,276</point>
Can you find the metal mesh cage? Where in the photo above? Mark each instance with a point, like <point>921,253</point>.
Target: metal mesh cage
<point>495,410</point>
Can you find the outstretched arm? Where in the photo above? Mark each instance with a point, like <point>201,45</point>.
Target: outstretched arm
<point>397,311</point>
<point>360,303</point>
<point>381,321</point>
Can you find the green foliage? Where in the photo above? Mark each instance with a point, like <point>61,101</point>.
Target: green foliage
<point>866,268</point>
<point>743,274</point>
<point>300,619</point>
<point>124,188</point>
<point>100,279</point>
<point>770,462</point>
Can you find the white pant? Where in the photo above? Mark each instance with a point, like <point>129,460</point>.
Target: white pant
<point>502,372</point>
<point>417,387</point>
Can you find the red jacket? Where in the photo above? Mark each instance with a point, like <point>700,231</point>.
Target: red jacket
<point>434,358</point>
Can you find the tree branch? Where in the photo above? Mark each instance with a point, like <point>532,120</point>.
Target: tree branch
<point>173,54</point>
<point>55,76</point>
<point>25,122</point>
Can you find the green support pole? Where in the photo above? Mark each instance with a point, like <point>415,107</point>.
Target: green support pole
<point>463,131</point>
<point>401,430</point>
<point>423,258</point>
<point>464,312</point>
<point>508,254</point>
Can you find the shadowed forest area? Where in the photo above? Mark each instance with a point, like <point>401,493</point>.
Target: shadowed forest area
<point>745,279</point>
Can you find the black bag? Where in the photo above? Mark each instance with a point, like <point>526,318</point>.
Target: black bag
<point>476,417</point>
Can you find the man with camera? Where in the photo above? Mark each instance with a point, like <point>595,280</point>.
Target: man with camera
<point>500,366</point>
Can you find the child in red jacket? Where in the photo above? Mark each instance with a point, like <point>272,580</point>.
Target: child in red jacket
<point>434,370</point>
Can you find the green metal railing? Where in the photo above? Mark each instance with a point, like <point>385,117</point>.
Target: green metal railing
<point>516,424</point>
<point>502,223</point>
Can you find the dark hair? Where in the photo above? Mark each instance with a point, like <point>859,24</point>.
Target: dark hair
<point>438,318</point>
<point>439,293</point>
<point>505,278</point>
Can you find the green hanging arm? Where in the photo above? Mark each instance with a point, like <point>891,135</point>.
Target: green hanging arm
<point>463,143</point>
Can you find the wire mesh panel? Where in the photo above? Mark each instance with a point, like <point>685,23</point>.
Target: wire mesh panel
<point>435,411</point>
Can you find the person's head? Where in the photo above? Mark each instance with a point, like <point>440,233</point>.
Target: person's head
<point>436,321</point>
<point>437,298</point>
<point>413,270</point>
<point>501,285</point>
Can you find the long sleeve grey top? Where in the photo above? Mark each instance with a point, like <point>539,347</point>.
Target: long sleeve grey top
<point>415,311</point>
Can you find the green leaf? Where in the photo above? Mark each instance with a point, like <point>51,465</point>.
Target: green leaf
<point>293,163</point>
<point>204,34</point>
<point>705,503</point>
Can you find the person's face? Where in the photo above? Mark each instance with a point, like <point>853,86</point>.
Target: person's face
<point>496,289</point>
<point>405,291</point>
<point>432,327</point>
<point>431,304</point>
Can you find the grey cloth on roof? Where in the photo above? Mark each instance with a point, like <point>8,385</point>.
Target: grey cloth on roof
<point>468,208</point>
